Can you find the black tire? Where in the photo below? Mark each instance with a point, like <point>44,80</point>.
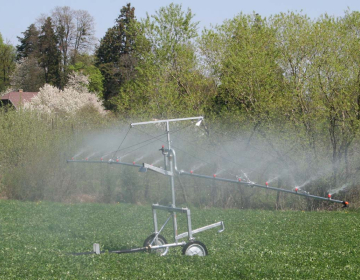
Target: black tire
<point>195,248</point>
<point>160,241</point>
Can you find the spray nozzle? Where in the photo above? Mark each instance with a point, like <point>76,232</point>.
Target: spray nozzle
<point>163,150</point>
<point>345,203</point>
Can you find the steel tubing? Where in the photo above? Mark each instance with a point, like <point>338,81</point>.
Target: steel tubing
<point>108,162</point>
<point>249,184</point>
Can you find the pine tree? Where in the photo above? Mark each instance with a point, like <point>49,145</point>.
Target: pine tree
<point>28,75</point>
<point>114,55</point>
<point>29,44</point>
<point>49,54</point>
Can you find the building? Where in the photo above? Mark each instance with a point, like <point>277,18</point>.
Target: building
<point>16,98</point>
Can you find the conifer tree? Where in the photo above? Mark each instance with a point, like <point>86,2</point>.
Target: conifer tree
<point>114,55</point>
<point>49,56</point>
<point>29,44</point>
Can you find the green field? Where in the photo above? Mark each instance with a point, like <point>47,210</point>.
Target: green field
<point>35,239</point>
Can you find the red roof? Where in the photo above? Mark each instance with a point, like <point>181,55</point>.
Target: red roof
<point>16,97</point>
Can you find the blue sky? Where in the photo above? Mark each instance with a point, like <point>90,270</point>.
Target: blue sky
<point>17,15</point>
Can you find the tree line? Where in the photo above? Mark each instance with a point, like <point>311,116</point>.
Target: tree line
<point>283,79</point>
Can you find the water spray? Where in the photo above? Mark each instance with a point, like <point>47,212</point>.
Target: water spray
<point>79,153</point>
<point>273,179</point>
<point>198,166</point>
<point>266,186</point>
<point>157,161</point>
<point>156,242</point>
<point>343,187</point>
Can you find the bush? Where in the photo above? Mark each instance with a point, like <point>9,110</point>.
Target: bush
<point>34,152</point>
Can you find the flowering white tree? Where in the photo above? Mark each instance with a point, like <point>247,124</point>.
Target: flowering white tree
<point>73,98</point>
<point>78,82</point>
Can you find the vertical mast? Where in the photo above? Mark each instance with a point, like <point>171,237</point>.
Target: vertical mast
<point>172,181</point>
<point>169,160</point>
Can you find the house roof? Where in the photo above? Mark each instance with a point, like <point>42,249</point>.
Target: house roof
<point>16,97</point>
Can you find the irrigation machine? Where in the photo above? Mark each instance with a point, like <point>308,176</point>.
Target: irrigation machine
<point>155,242</point>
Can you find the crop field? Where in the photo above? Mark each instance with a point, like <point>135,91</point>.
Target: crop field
<point>36,239</point>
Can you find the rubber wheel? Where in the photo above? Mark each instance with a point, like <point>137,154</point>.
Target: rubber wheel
<point>195,248</point>
<point>160,241</point>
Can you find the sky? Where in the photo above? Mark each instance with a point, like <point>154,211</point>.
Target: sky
<point>17,15</point>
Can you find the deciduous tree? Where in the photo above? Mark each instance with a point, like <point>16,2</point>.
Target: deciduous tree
<point>242,58</point>
<point>75,32</point>
<point>95,78</point>
<point>168,80</point>
<point>28,75</point>
<point>7,63</point>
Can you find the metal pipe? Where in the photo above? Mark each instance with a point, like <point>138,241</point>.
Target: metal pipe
<point>172,152</point>
<point>135,250</point>
<point>167,121</point>
<point>261,186</point>
<point>157,233</point>
<point>169,208</point>
<point>155,220</point>
<point>188,216</point>
<point>168,245</point>
<point>108,162</point>
<point>218,224</point>
<point>181,172</point>
<point>172,184</point>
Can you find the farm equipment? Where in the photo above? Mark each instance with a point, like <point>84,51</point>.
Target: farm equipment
<point>156,242</point>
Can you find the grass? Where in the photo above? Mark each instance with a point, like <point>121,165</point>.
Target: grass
<point>35,239</point>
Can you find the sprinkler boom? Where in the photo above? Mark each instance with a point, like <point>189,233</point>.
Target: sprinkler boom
<point>156,242</point>
<point>265,186</point>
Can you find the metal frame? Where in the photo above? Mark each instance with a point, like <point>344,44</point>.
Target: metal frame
<point>170,169</point>
<point>190,232</point>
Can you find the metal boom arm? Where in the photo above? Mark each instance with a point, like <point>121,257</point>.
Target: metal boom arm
<point>251,184</point>
<point>107,162</point>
